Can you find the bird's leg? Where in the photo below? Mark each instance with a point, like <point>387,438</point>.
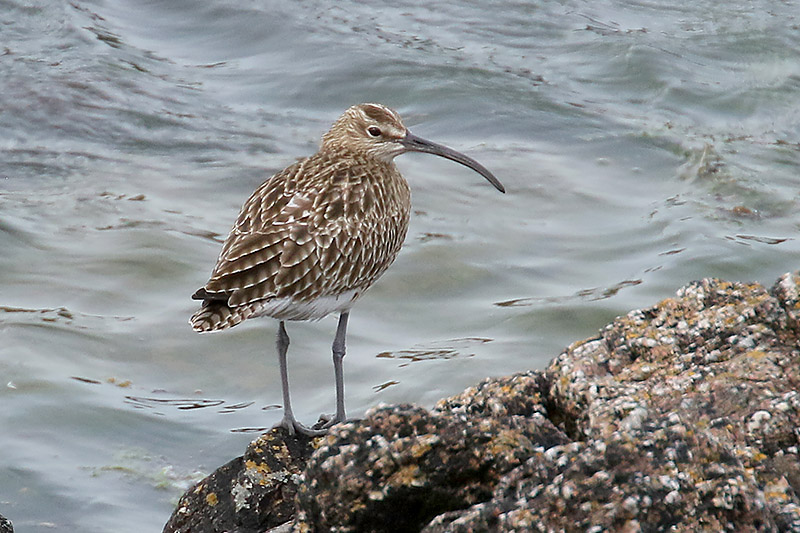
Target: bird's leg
<point>338,356</point>
<point>283,348</point>
<point>289,421</point>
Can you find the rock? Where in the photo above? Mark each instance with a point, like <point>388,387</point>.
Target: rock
<point>5,525</point>
<point>634,481</point>
<point>402,465</point>
<point>681,417</point>
<point>250,493</point>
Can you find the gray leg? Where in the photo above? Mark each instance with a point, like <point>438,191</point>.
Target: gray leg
<point>338,355</point>
<point>289,421</point>
<point>283,348</point>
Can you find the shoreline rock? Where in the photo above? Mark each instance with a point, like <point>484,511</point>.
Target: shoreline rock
<point>5,525</point>
<point>254,492</point>
<point>684,416</point>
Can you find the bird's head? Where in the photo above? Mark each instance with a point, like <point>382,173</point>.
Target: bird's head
<point>374,130</point>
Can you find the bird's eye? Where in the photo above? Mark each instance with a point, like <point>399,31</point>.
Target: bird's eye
<point>374,131</point>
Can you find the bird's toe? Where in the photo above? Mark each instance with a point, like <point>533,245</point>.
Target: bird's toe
<point>293,427</point>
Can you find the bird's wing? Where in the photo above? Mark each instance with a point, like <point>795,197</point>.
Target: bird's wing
<point>302,238</point>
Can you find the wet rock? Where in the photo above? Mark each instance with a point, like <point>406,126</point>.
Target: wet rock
<point>402,465</point>
<point>787,291</point>
<point>681,417</point>
<point>635,480</point>
<point>250,493</point>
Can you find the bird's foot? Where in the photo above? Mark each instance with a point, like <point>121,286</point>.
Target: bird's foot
<point>331,420</point>
<point>293,426</point>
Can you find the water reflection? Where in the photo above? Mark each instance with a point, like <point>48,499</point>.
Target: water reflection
<point>384,386</point>
<point>759,239</point>
<point>437,350</point>
<point>594,294</point>
<point>179,403</point>
<point>61,315</point>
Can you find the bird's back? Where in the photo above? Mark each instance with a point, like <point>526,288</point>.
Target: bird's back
<point>309,241</point>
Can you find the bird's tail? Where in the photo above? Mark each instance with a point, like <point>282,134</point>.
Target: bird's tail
<point>216,315</point>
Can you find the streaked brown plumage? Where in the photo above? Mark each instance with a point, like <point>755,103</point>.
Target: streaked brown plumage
<point>311,239</point>
<point>326,225</point>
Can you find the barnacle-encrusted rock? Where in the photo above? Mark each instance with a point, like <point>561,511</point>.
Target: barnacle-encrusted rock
<point>681,417</point>
<point>664,477</point>
<point>685,417</point>
<point>403,465</point>
<point>250,493</point>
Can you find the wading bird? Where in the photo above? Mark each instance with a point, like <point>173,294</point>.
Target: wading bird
<point>312,238</point>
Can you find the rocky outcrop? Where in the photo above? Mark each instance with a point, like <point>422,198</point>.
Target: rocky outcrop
<point>681,417</point>
<point>402,466</point>
<point>254,492</point>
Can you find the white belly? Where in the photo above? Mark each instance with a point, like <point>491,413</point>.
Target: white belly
<point>289,309</point>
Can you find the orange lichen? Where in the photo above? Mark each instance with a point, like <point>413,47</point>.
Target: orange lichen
<point>211,499</point>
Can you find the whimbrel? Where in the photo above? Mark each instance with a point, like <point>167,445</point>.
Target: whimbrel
<point>312,238</point>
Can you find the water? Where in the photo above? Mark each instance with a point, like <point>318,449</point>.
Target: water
<point>642,146</point>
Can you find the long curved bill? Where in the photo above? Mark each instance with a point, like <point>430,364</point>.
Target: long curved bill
<point>412,143</point>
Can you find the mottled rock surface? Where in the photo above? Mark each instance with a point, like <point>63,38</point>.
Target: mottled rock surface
<point>251,493</point>
<point>681,417</point>
<point>402,465</point>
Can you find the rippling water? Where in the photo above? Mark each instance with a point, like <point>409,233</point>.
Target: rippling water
<point>642,146</point>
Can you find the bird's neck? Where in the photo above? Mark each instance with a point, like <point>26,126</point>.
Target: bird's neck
<point>343,156</point>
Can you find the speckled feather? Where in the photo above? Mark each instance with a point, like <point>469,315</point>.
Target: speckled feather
<point>312,238</point>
